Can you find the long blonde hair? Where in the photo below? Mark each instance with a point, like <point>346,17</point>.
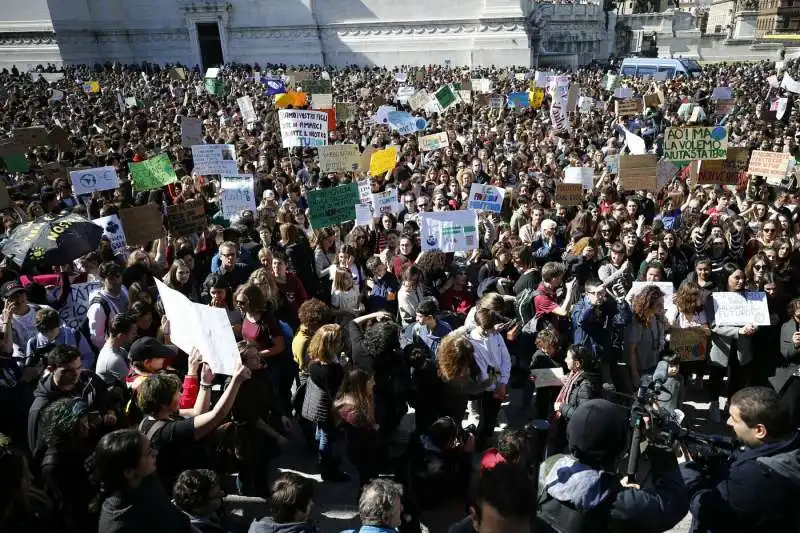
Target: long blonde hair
<point>326,344</point>
<point>264,280</point>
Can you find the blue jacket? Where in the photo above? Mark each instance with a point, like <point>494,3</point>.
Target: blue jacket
<point>758,491</point>
<point>593,327</point>
<point>543,252</point>
<point>371,529</point>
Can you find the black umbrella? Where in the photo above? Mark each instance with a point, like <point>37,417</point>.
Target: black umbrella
<point>52,240</point>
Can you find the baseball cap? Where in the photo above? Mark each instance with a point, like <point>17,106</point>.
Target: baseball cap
<point>148,348</point>
<point>10,288</point>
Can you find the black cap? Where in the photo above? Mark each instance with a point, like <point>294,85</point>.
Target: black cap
<point>597,432</point>
<point>10,288</point>
<point>148,348</point>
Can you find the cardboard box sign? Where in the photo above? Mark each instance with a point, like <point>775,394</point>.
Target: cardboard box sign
<point>186,218</point>
<point>638,172</point>
<point>724,172</point>
<point>569,193</point>
<point>769,164</point>
<point>627,107</point>
<point>652,100</point>
<point>141,224</point>
<point>30,137</point>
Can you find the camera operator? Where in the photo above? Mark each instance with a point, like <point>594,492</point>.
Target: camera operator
<point>758,489</point>
<point>580,492</point>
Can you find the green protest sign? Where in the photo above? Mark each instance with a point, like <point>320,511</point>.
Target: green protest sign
<point>152,174</point>
<point>686,144</point>
<point>16,163</point>
<point>215,86</point>
<point>329,207</point>
<point>445,96</point>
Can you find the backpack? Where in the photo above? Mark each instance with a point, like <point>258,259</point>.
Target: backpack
<point>83,329</point>
<point>524,305</point>
<point>560,517</point>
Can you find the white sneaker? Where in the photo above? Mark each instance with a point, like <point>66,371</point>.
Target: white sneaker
<point>714,413</point>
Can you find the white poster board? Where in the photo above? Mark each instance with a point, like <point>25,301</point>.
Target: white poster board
<point>112,229</point>
<point>486,197</point>
<point>303,128</point>
<point>94,179</point>
<point>740,309</point>
<point>449,231</point>
<point>212,159</point>
<point>73,312</point>
<point>386,202</point>
<point>236,194</point>
<point>246,107</point>
<point>191,131</point>
<point>582,175</point>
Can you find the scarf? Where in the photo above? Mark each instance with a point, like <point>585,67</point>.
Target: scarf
<point>565,391</point>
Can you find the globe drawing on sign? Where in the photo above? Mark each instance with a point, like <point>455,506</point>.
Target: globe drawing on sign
<point>718,133</point>
<point>421,123</point>
<point>431,240</point>
<point>107,176</point>
<point>88,180</point>
<point>112,227</point>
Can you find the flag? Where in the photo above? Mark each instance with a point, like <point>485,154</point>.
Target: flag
<point>91,86</point>
<point>274,86</point>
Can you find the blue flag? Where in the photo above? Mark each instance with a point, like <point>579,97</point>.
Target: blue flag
<point>274,86</point>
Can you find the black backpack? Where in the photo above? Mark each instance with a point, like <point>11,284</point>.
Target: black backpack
<point>83,329</point>
<point>554,516</point>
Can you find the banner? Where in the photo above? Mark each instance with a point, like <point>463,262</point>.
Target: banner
<point>112,229</point>
<point>383,161</point>
<point>236,194</point>
<point>386,202</point>
<point>303,128</point>
<point>690,344</point>
<point>724,172</point>
<point>569,193</point>
<point>339,158</point>
<point>191,132</point>
<point>737,309</point>
<point>153,173</point>
<point>559,113</point>
<point>449,231</point>
<point>246,108</point>
<point>486,197</point>
<point>141,224</point>
<point>769,164</point>
<point>186,218</point>
<point>686,144</point>
<point>405,123</point>
<point>638,172</point>
<point>433,142</point>
<point>582,175</point>
<point>88,180</point>
<point>73,312</point>
<point>331,206</point>
<point>213,159</point>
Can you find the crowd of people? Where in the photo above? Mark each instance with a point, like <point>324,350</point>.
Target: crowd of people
<point>109,427</point>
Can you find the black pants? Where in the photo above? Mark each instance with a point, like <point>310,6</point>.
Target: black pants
<point>488,409</point>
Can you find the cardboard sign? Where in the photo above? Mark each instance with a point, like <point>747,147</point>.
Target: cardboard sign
<point>112,230</point>
<point>769,164</point>
<point>141,224</point>
<point>191,132</point>
<point>627,107</point>
<point>581,175</point>
<point>339,158</point>
<point>60,139</point>
<point>186,218</point>
<point>177,74</point>
<point>486,197</point>
<point>433,142</point>
<point>334,205</point>
<point>569,193</point>
<point>303,128</point>
<point>237,193</point>
<point>740,309</point>
<point>88,180</point>
<point>724,172</point>
<point>213,159</point>
<point>691,344</point>
<point>73,312</point>
<point>449,231</point>
<point>638,172</point>
<point>651,100</point>
<point>153,173</point>
<point>686,144</point>
<point>382,161</point>
<point>317,87</point>
<point>30,137</point>
<point>548,377</point>
<point>54,171</point>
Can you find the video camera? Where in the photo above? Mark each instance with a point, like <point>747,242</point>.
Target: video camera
<point>662,428</point>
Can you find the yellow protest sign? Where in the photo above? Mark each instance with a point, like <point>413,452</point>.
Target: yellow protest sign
<point>91,86</point>
<point>535,97</point>
<point>383,161</point>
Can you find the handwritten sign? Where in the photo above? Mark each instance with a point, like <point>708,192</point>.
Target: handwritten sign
<point>569,193</point>
<point>186,218</point>
<point>142,224</point>
<point>691,344</point>
<point>236,194</point>
<point>737,309</point>
<point>627,107</point>
<point>724,172</point>
<point>433,142</point>
<point>686,144</point>
<point>486,197</point>
<point>382,161</point>
<point>769,164</point>
<point>191,131</point>
<point>74,309</point>
<point>303,128</point>
<point>638,172</point>
<point>419,99</point>
<point>94,179</point>
<point>386,202</point>
<point>112,230</point>
<point>548,377</point>
<point>449,231</point>
<point>339,158</point>
<point>153,173</point>
<point>213,159</point>
<point>246,107</point>
<point>331,206</point>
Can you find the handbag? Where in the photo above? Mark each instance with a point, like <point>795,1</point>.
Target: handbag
<point>316,404</point>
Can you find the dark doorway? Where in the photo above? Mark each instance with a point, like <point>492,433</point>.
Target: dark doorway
<point>210,44</point>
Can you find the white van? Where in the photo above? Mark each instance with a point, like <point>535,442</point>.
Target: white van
<point>646,67</point>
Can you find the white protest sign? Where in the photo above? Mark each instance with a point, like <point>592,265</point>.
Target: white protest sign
<point>385,202</point>
<point>211,159</point>
<point>112,229</point>
<point>237,194</point>
<point>466,96</point>
<point>773,81</point>
<point>322,101</point>
<point>623,93</point>
<point>666,287</point>
<point>434,142</point>
<point>199,326</point>
<point>483,85</point>
<point>548,377</point>
<point>365,193</point>
<point>790,84</point>
<point>635,143</point>
<point>400,77</point>
<point>585,104</point>
<point>191,132</point>
<point>303,128</point>
<point>88,180</point>
<point>449,231</point>
<point>737,309</point>
<point>73,312</point>
<point>246,107</point>
<point>419,99</point>
<point>486,197</point>
<point>363,215</point>
<point>404,93</point>
<point>541,78</point>
<point>582,175</point>
<point>339,158</point>
<point>130,101</point>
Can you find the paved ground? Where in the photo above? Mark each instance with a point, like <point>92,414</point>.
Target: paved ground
<point>336,507</point>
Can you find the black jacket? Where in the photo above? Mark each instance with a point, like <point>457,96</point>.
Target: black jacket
<point>587,387</point>
<point>144,509</point>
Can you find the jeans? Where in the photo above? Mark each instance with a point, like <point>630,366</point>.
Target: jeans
<point>326,436</point>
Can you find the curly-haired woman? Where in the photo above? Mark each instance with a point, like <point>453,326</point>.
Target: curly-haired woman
<point>645,334</point>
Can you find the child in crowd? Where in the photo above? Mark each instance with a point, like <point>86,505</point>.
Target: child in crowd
<point>345,297</point>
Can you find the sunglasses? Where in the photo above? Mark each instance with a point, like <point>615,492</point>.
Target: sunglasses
<point>770,230</point>
<point>758,267</point>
